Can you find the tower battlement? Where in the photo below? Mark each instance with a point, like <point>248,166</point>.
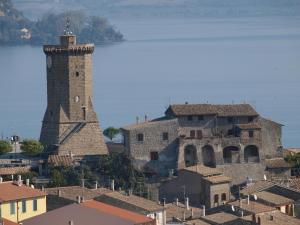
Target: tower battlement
<point>78,48</point>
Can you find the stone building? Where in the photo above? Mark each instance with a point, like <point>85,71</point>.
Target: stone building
<point>70,124</point>
<point>234,137</point>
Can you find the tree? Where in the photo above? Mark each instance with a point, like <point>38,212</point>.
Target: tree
<point>111,132</point>
<point>5,147</point>
<point>32,147</point>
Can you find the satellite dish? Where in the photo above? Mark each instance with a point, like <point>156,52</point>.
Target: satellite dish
<point>265,177</point>
<point>232,208</point>
<point>255,197</point>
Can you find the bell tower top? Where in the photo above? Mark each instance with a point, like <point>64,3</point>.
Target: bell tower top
<point>68,38</point>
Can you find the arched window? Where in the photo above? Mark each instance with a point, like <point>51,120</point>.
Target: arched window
<point>251,154</point>
<point>208,156</point>
<point>216,198</point>
<point>231,154</point>
<point>223,197</point>
<point>190,155</point>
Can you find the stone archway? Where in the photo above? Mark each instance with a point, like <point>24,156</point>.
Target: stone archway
<point>231,154</point>
<point>208,156</point>
<point>251,154</point>
<point>190,155</point>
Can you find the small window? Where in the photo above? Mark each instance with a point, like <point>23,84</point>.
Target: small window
<point>51,113</point>
<point>76,99</point>
<point>154,156</point>
<point>230,132</point>
<point>192,133</point>
<point>165,136</point>
<point>77,74</point>
<point>24,206</point>
<point>223,197</point>
<point>190,118</point>
<point>200,118</point>
<point>12,208</point>
<point>216,199</point>
<point>250,119</point>
<point>35,205</point>
<point>251,133</point>
<point>230,119</point>
<point>140,137</point>
<point>199,134</point>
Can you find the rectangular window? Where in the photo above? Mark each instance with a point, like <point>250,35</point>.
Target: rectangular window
<point>165,136</point>
<point>200,118</point>
<point>199,134</point>
<point>35,205</point>
<point>23,206</point>
<point>190,118</point>
<point>12,208</point>
<point>250,119</point>
<point>140,137</point>
<point>192,133</point>
<point>251,133</point>
<point>154,156</point>
<point>230,119</point>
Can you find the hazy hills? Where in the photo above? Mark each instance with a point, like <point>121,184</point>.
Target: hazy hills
<point>165,8</point>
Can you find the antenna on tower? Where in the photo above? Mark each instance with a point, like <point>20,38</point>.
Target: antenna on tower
<point>67,30</point>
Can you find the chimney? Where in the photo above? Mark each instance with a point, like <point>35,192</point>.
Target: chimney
<point>27,182</point>
<point>82,183</point>
<point>19,182</point>
<point>146,118</point>
<point>164,201</point>
<point>43,188</point>
<point>78,198</point>
<point>82,199</point>
<point>71,222</point>
<point>183,215</point>
<point>1,180</point>
<point>187,204</point>
<point>203,210</point>
<point>248,199</point>
<point>96,185</point>
<point>176,201</point>
<point>112,185</point>
<point>192,213</point>
<point>12,177</point>
<point>137,120</point>
<point>71,154</point>
<point>59,193</point>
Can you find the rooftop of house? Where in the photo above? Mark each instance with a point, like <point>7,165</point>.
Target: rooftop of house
<point>11,191</point>
<point>218,179</point>
<point>295,183</point>
<point>258,186</point>
<point>253,206</point>
<point>274,199</point>
<point>90,212</point>
<point>133,202</point>
<point>60,160</point>
<point>4,221</point>
<point>246,126</point>
<point>149,123</point>
<point>278,218</point>
<point>72,192</point>
<point>211,109</point>
<point>203,170</point>
<point>176,211</point>
<point>277,163</point>
<point>14,170</point>
<point>219,218</point>
<point>196,222</point>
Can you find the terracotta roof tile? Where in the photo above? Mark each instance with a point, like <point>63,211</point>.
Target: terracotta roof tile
<point>246,126</point>
<point>176,211</point>
<point>149,124</point>
<point>204,170</point>
<point>14,170</point>
<point>253,206</point>
<point>60,160</point>
<point>258,186</point>
<point>220,218</point>
<point>10,191</point>
<point>210,109</point>
<point>108,209</point>
<point>274,199</point>
<point>116,198</point>
<point>218,179</point>
<point>279,218</point>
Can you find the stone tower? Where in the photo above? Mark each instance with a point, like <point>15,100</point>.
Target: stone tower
<point>70,124</point>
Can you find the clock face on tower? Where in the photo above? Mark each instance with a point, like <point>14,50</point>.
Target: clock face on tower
<point>49,61</point>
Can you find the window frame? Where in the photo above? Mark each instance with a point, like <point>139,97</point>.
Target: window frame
<point>34,205</point>
<point>216,199</point>
<point>165,136</point>
<point>24,206</point>
<point>251,133</point>
<point>190,118</point>
<point>154,156</point>
<point>200,117</point>
<point>192,132</point>
<point>222,197</point>
<point>140,137</point>
<point>12,206</point>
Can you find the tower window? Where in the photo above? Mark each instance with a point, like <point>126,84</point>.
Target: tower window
<point>251,133</point>
<point>76,99</point>
<point>140,137</point>
<point>165,136</point>
<point>77,74</point>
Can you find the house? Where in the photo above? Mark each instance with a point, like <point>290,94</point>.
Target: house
<point>232,137</point>
<point>7,222</point>
<point>135,204</point>
<point>199,185</point>
<point>92,213</point>
<point>19,202</point>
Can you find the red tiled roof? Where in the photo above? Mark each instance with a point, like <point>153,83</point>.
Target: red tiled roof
<point>125,214</point>
<point>10,191</point>
<point>14,170</point>
<point>60,160</point>
<point>277,163</point>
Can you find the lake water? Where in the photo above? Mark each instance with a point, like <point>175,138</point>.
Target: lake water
<point>170,61</point>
